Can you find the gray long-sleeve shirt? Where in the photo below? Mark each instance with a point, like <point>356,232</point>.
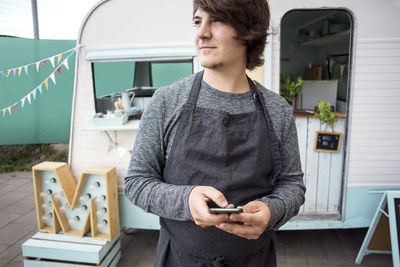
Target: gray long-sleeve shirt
<point>144,185</point>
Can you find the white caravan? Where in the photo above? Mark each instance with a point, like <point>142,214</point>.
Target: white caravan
<point>348,52</point>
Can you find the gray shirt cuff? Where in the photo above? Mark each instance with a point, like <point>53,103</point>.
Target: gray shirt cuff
<point>277,209</point>
<point>186,194</point>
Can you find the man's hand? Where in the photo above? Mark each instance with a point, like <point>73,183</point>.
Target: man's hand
<point>198,207</point>
<point>255,218</point>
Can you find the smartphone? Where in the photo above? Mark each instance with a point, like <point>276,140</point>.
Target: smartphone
<point>225,211</point>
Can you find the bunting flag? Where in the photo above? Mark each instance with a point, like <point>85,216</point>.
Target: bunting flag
<point>32,94</point>
<point>53,78</point>
<point>52,61</point>
<point>18,70</point>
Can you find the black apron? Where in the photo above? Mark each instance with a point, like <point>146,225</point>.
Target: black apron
<point>238,154</point>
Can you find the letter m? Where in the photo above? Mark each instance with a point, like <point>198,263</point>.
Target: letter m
<point>76,209</point>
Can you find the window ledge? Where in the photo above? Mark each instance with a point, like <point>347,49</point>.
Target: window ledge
<point>132,125</point>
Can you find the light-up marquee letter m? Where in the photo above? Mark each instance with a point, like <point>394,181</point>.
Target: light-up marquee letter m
<point>76,209</point>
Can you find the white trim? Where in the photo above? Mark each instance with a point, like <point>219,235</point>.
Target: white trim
<point>142,53</point>
<point>71,130</point>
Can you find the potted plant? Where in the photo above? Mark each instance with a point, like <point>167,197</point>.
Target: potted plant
<point>290,89</point>
<point>325,113</point>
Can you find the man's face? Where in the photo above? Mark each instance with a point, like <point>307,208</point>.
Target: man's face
<point>215,42</point>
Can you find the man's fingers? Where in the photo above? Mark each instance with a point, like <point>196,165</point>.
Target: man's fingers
<point>245,231</point>
<point>216,196</point>
<point>251,207</point>
<point>247,218</point>
<point>198,207</point>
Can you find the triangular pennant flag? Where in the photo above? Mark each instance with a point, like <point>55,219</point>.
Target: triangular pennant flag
<point>34,93</point>
<point>14,71</point>
<point>59,58</point>
<point>65,63</point>
<point>23,101</point>
<point>2,73</point>
<point>29,98</point>
<point>52,61</point>
<point>44,63</point>
<point>37,66</point>
<point>19,71</point>
<point>8,73</point>
<point>53,78</point>
<point>16,107</point>
<point>9,110</point>
<point>59,70</point>
<point>46,82</point>
<point>4,112</point>
<point>40,89</point>
<point>26,69</point>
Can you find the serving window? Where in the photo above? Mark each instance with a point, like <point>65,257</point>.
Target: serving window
<point>316,46</point>
<point>112,78</point>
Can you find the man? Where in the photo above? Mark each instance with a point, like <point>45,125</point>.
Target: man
<point>218,139</point>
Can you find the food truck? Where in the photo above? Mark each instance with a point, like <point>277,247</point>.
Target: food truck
<point>347,53</point>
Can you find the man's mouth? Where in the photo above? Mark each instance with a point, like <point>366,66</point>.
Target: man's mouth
<point>207,47</point>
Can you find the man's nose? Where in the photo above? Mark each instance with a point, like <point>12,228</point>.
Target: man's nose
<point>204,31</point>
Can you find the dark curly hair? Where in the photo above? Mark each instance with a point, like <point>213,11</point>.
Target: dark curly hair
<point>250,19</point>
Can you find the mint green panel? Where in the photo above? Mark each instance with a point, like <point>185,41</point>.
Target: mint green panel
<point>47,118</point>
<point>113,77</point>
<point>166,73</point>
<point>361,204</point>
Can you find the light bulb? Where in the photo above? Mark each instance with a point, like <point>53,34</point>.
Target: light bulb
<point>86,197</point>
<point>94,185</point>
<point>82,208</point>
<point>58,195</point>
<point>100,199</point>
<point>102,224</point>
<point>46,205</point>
<point>74,220</point>
<point>63,208</point>
<point>46,217</point>
<point>51,181</point>
<point>47,193</point>
<point>102,211</point>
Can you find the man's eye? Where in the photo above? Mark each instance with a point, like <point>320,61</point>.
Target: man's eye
<point>196,22</point>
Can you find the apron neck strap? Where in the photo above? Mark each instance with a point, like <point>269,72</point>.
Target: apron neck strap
<point>194,92</point>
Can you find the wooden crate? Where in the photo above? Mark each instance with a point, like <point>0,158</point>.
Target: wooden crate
<point>60,250</point>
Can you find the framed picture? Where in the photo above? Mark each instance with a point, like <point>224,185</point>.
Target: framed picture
<point>327,141</point>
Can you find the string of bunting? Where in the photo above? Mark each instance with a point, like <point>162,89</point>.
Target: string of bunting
<point>13,71</point>
<point>32,94</point>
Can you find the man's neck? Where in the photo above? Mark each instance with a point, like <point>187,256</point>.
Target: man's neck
<point>231,82</point>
